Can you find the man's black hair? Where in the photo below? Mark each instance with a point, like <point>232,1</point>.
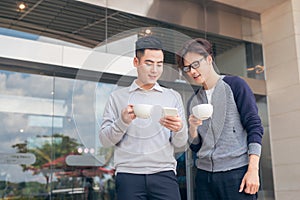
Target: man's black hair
<point>147,42</point>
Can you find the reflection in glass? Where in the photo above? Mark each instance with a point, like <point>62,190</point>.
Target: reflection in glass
<point>40,121</point>
<point>21,99</point>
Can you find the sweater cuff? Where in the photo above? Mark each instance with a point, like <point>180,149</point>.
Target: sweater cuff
<point>121,125</point>
<point>254,148</point>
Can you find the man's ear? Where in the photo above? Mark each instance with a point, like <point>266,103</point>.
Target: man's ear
<point>209,59</point>
<point>136,62</point>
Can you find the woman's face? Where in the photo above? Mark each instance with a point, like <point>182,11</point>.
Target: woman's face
<point>203,66</point>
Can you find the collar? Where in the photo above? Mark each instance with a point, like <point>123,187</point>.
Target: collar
<point>135,86</point>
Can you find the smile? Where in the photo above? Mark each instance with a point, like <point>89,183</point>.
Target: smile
<point>196,76</point>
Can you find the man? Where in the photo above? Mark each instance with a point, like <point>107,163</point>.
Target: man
<point>144,148</point>
<point>227,145</point>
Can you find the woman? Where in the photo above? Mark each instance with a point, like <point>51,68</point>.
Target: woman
<point>227,145</point>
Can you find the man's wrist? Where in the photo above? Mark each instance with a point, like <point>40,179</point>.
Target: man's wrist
<point>253,162</point>
<point>193,132</point>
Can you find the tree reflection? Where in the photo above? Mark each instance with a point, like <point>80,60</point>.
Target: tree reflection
<point>47,150</point>
<point>50,153</point>
<point>62,180</point>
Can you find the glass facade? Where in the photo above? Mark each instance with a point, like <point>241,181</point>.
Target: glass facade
<point>45,151</point>
<point>50,138</point>
<point>51,116</point>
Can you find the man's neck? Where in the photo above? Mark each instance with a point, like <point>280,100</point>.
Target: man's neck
<point>144,86</point>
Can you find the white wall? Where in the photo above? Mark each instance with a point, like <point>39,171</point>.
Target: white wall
<point>41,52</point>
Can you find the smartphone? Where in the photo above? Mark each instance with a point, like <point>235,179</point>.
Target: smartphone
<point>169,111</point>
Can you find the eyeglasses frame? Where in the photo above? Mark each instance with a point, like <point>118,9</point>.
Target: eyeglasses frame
<point>187,68</point>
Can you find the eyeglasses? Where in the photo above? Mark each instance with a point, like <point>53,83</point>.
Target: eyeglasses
<point>193,65</point>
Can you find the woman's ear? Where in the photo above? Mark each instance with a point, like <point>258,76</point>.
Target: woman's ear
<point>136,62</point>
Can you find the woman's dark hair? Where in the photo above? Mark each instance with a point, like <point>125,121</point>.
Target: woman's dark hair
<point>198,45</point>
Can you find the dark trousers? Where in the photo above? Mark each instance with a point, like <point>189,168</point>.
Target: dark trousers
<point>158,186</point>
<point>221,185</point>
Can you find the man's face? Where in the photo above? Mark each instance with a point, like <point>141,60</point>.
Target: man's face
<point>203,70</point>
<point>149,68</point>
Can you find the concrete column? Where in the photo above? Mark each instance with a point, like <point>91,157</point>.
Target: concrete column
<point>281,44</point>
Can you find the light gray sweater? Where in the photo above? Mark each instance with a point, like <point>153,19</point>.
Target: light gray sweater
<point>144,146</point>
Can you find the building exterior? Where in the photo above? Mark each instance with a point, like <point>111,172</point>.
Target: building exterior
<point>60,59</point>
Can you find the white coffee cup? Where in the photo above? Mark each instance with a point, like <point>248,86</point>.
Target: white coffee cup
<point>203,111</point>
<point>142,110</point>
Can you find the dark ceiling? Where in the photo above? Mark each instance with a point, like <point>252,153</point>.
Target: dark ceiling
<point>86,24</point>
